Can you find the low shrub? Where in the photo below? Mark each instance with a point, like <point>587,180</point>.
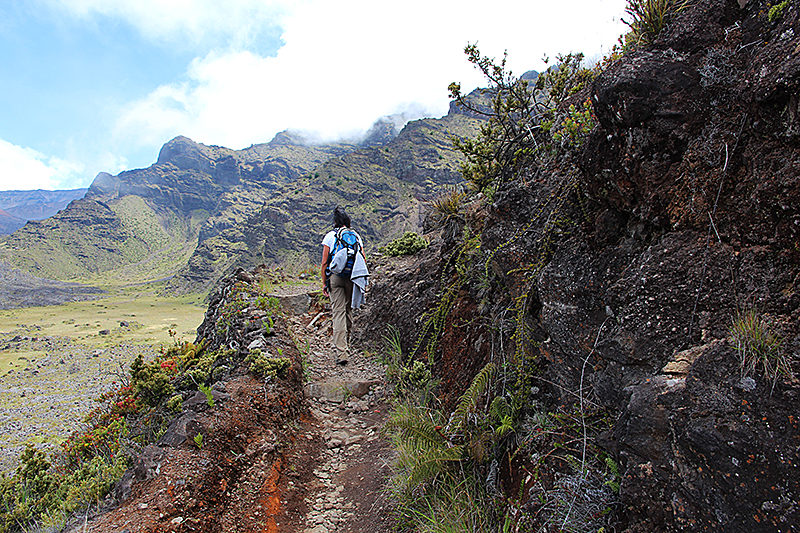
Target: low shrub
<point>42,493</point>
<point>447,205</point>
<point>409,244</point>
<point>267,366</point>
<point>45,492</point>
<point>760,348</point>
<point>151,381</point>
<point>776,12</point>
<point>573,126</point>
<point>650,17</point>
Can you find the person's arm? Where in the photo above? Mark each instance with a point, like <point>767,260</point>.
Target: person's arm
<point>361,248</point>
<point>326,252</point>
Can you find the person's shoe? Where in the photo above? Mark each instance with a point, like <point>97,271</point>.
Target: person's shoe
<point>341,358</point>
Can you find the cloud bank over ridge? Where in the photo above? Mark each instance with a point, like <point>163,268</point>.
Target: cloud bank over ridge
<point>258,67</point>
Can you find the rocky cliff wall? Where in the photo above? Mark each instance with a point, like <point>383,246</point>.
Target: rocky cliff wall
<point>619,271</point>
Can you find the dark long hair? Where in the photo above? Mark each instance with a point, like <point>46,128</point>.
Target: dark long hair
<point>340,218</point>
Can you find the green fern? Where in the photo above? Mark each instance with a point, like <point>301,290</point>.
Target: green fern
<point>499,408</point>
<point>416,426</point>
<point>436,459</point>
<point>469,400</point>
<point>423,450</point>
<point>613,471</point>
<point>207,391</point>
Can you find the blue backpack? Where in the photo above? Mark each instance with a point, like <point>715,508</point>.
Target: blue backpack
<point>343,253</point>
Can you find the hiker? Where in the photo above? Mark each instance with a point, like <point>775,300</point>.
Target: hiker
<point>344,278</point>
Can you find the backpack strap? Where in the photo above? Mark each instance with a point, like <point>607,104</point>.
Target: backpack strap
<point>333,248</point>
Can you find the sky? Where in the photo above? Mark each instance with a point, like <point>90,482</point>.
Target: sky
<point>89,86</point>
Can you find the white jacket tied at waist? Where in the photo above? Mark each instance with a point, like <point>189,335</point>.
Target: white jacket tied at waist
<point>360,279</point>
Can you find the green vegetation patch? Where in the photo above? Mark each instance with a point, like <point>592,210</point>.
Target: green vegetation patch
<point>776,11</point>
<point>267,366</point>
<point>145,229</point>
<point>410,243</point>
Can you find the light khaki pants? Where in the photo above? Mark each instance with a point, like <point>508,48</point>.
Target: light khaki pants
<point>341,296</point>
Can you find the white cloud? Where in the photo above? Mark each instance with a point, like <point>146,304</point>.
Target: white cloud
<point>23,168</point>
<point>346,63</point>
<point>184,21</point>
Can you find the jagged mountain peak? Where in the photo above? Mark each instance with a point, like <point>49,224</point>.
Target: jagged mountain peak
<point>289,138</point>
<point>187,154</point>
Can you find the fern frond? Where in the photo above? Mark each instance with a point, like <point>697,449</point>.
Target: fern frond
<point>479,446</point>
<point>499,409</point>
<point>469,400</point>
<point>425,467</point>
<point>416,428</point>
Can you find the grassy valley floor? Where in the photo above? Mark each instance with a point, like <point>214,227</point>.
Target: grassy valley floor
<point>54,361</point>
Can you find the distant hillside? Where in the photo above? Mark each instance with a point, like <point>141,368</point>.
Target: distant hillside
<point>20,289</point>
<point>9,223</point>
<point>201,210</point>
<point>144,224</point>
<point>18,207</point>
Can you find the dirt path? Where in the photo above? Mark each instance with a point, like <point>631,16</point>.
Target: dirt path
<point>349,410</point>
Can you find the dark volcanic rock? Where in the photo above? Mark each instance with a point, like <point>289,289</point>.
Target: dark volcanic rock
<point>712,446</point>
<point>688,213</point>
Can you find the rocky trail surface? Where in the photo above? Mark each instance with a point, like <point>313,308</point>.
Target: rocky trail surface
<point>348,403</point>
<point>292,455</point>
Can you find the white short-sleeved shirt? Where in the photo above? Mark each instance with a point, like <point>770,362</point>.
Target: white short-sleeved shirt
<point>330,239</point>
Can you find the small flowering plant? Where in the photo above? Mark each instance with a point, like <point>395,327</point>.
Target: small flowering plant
<point>170,366</point>
<point>103,437</point>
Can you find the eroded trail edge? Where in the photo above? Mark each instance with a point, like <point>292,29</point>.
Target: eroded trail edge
<point>300,452</point>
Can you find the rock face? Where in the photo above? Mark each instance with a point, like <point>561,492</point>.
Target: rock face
<point>687,214</point>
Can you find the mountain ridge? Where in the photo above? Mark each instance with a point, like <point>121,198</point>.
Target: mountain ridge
<point>186,216</point>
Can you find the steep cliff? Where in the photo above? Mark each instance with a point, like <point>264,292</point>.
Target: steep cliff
<point>630,273</point>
